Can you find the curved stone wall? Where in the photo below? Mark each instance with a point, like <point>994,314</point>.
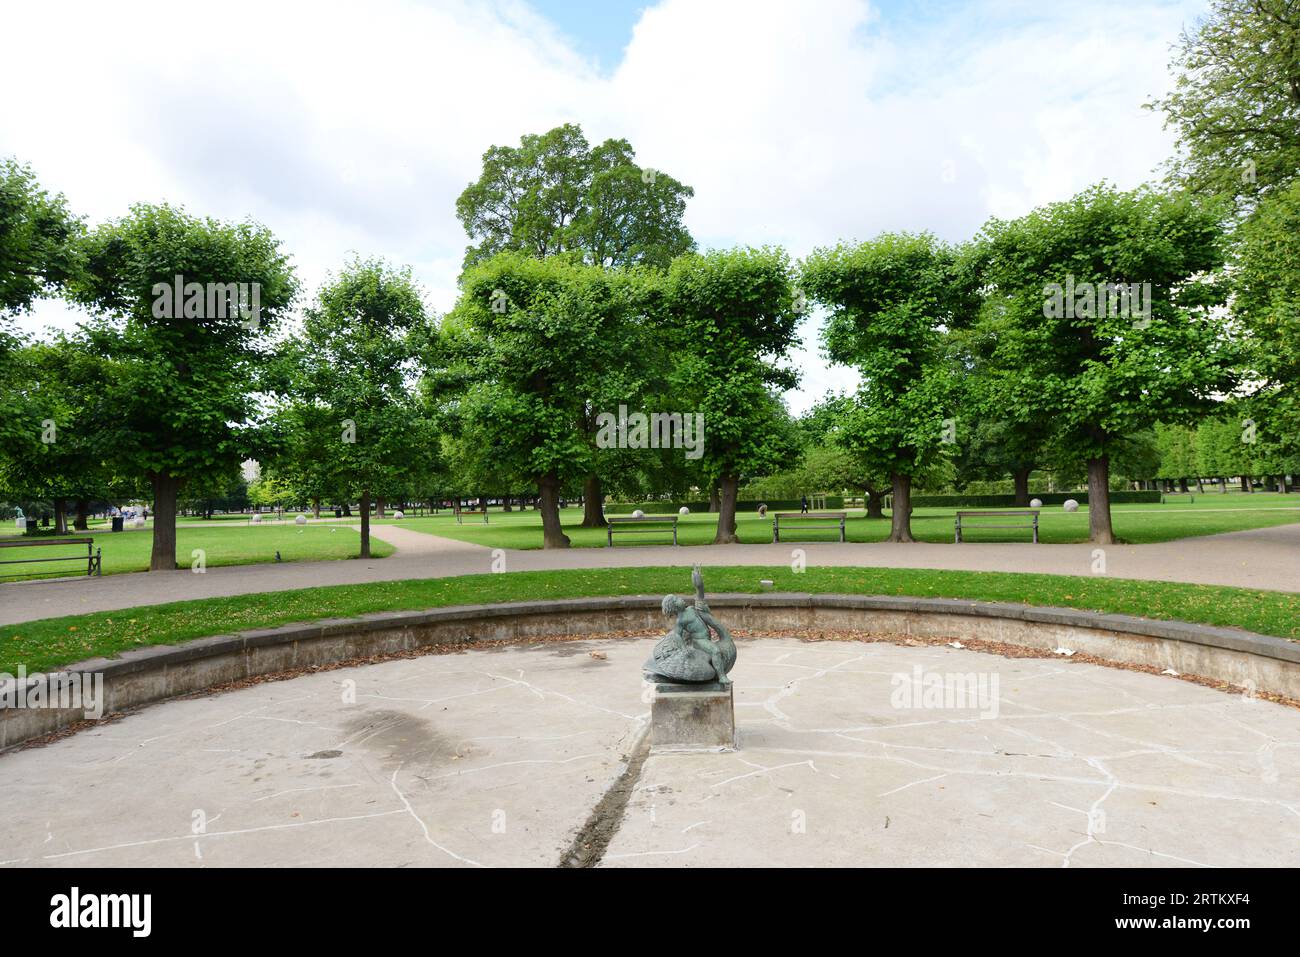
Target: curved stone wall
<point>1256,663</point>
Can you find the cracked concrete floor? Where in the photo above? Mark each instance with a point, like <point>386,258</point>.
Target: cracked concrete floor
<point>497,757</point>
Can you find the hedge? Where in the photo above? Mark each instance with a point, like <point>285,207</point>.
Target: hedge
<point>1009,501</point>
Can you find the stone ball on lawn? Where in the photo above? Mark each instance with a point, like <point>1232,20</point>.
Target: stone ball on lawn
<point>1036,503</point>
<point>683,511</point>
<point>300,520</point>
<point>257,518</point>
<point>638,514</point>
<point>399,514</point>
<point>1070,505</point>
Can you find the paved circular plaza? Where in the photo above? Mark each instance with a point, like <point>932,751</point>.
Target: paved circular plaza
<point>851,753</point>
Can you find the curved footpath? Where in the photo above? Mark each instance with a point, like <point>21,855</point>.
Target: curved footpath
<point>1258,558</point>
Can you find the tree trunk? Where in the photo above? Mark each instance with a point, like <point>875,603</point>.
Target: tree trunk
<point>875,503</point>
<point>60,516</point>
<point>165,489</point>
<point>315,507</point>
<point>1182,485</point>
<point>1021,476</point>
<point>505,504</point>
<point>593,515</point>
<point>1099,526</point>
<point>364,506</point>
<point>1245,484</point>
<point>379,507</point>
<point>549,503</point>
<point>83,513</point>
<point>729,485</point>
<point>901,526</point>
<point>715,503</point>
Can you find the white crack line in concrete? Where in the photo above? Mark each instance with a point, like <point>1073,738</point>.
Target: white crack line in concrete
<point>424,827</point>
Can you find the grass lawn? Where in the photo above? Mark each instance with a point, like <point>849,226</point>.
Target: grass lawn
<point>225,544</point>
<point>1179,517</point>
<point>51,642</point>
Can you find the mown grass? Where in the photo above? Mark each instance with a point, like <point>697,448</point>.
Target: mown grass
<point>48,643</point>
<point>1180,517</point>
<point>224,544</point>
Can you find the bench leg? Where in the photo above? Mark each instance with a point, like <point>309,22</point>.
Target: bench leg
<point>609,533</point>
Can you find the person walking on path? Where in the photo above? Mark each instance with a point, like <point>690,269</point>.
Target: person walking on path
<point>803,504</point>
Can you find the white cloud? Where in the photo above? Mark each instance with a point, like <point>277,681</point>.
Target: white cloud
<point>350,128</point>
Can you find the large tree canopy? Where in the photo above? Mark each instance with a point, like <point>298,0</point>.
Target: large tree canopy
<point>353,424</point>
<point>891,301</point>
<point>733,315</point>
<point>554,193</point>
<point>1099,372</point>
<point>182,399</point>
<point>1236,101</point>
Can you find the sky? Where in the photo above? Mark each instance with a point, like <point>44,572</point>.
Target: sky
<point>351,128</point>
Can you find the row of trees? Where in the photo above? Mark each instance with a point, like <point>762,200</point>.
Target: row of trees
<point>583,295</point>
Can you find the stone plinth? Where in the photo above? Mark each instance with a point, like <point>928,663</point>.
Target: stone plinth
<point>692,717</point>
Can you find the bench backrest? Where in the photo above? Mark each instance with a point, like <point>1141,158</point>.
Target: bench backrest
<point>801,515</point>
<point>24,543</point>
<point>1027,511</point>
<point>627,519</point>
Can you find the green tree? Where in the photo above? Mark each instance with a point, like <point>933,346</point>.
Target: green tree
<point>38,239</point>
<point>891,301</point>
<point>1117,366</point>
<point>555,194</point>
<point>1235,104</point>
<point>356,424</point>
<point>735,316</point>
<point>181,401</point>
<point>531,350</point>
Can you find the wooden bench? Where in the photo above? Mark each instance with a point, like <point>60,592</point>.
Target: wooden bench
<point>91,558</point>
<point>798,520</point>
<point>473,513</point>
<point>1030,513</point>
<point>632,525</point>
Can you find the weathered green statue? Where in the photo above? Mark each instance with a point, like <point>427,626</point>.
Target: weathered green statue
<point>690,652</point>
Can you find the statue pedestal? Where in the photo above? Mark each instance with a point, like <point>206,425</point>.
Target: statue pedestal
<point>692,717</point>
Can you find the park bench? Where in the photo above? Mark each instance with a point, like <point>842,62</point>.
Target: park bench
<point>646,524</point>
<point>801,520</point>
<point>1030,513</point>
<point>472,513</point>
<point>91,558</point>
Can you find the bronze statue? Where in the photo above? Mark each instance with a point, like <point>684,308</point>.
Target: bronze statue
<point>690,653</point>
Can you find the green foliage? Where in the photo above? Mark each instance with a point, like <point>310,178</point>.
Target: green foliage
<point>1236,100</point>
<point>891,299</point>
<point>1102,377</point>
<point>353,425</point>
<point>555,194</point>
<point>38,239</point>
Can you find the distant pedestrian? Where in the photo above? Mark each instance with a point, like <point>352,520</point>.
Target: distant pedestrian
<point>803,504</point>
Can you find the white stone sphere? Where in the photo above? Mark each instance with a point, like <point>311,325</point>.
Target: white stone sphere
<point>257,518</point>
<point>1036,503</point>
<point>1070,505</point>
<point>300,520</point>
<point>398,514</point>
<point>638,514</point>
<point>683,511</point>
